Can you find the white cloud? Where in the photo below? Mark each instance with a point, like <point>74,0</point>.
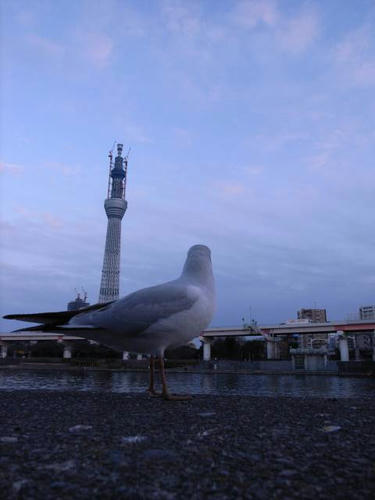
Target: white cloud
<point>26,17</point>
<point>42,218</point>
<point>355,57</point>
<point>353,46</point>
<point>63,168</point>
<point>272,141</point>
<point>250,13</point>
<point>229,189</point>
<point>136,133</point>
<point>11,168</point>
<point>183,136</point>
<point>45,45</point>
<point>292,34</point>
<point>94,48</point>
<point>254,169</point>
<point>297,34</point>
<point>181,17</point>
<point>97,47</point>
<point>51,220</point>
<point>365,73</point>
<point>133,23</point>
<point>327,148</point>
<point>318,161</point>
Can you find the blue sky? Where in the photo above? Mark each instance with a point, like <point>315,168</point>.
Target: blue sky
<point>252,128</point>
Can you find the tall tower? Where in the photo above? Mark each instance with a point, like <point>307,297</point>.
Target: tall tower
<point>115,206</point>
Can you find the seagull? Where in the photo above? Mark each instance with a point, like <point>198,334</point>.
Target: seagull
<point>147,321</point>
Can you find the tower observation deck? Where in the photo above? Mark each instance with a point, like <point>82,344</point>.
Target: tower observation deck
<point>115,207</point>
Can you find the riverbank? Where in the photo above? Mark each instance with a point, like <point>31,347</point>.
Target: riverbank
<point>265,367</point>
<point>200,368</point>
<point>105,445</point>
<point>144,369</point>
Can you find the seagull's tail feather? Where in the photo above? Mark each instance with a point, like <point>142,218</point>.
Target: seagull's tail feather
<point>54,318</point>
<point>38,328</point>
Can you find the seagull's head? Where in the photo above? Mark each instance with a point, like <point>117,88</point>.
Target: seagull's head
<point>198,264</point>
<point>199,251</point>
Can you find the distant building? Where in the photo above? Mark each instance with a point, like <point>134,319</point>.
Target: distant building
<point>78,303</point>
<point>367,312</point>
<point>313,340</point>
<point>314,315</point>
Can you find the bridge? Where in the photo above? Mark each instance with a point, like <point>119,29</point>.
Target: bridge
<point>36,336</point>
<point>274,334</point>
<point>271,334</point>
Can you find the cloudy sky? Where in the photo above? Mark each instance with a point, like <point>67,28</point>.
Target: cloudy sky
<point>252,129</point>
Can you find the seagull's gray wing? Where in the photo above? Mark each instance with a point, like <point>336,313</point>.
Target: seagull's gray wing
<point>138,311</point>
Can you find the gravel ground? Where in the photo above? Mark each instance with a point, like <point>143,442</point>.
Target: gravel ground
<point>104,445</point>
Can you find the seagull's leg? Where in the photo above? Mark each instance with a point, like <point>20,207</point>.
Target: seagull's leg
<point>165,393</point>
<point>151,388</point>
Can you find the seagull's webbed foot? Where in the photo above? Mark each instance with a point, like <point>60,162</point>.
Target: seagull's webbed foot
<point>165,393</point>
<point>153,393</point>
<point>176,397</point>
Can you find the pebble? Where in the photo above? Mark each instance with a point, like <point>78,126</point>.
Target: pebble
<point>160,455</point>
<point>8,439</point>
<point>331,428</point>
<point>18,485</point>
<point>133,439</point>
<point>58,485</point>
<point>80,428</point>
<point>288,473</point>
<point>205,433</point>
<point>117,457</point>
<point>61,467</point>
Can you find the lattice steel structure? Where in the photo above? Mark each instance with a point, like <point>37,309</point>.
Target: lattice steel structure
<point>115,207</point>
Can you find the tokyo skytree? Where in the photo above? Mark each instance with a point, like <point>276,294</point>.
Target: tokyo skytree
<point>115,207</point>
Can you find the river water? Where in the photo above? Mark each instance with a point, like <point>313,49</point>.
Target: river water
<point>193,383</point>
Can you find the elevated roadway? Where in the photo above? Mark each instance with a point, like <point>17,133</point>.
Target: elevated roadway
<point>266,332</point>
<point>273,333</point>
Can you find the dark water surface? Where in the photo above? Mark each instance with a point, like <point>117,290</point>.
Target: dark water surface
<point>194,383</point>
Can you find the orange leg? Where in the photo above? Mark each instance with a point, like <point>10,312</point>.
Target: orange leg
<point>151,388</point>
<point>165,393</point>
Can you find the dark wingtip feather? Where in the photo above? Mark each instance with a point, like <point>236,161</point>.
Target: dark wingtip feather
<point>54,318</point>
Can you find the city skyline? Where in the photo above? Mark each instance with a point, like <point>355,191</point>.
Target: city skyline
<point>252,131</point>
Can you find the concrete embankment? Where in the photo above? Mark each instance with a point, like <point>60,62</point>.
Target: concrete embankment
<point>348,369</point>
<point>192,366</point>
<point>106,445</point>
<point>281,367</point>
